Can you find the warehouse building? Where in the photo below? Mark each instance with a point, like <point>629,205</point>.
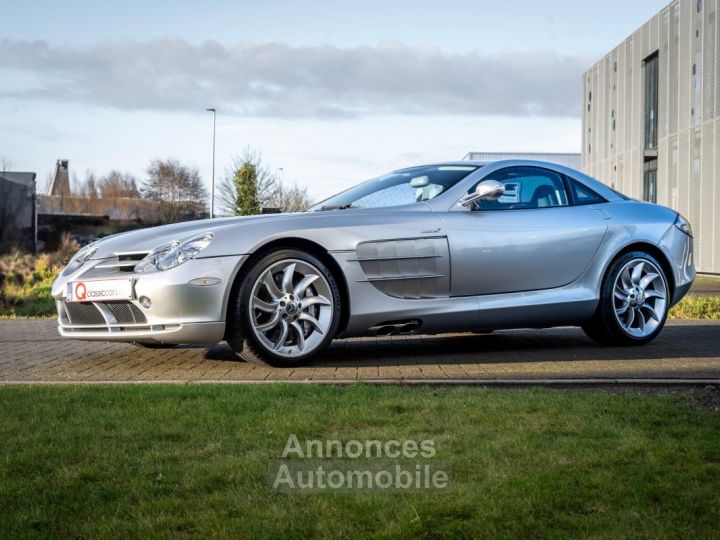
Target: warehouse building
<point>569,160</point>
<point>651,118</point>
<point>18,217</point>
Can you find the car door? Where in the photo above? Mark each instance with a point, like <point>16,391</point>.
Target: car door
<point>531,238</point>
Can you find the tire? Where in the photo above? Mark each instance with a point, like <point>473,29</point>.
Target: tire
<point>634,302</point>
<point>286,322</point>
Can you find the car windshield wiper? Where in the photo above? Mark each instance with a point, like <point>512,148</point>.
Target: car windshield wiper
<point>338,207</point>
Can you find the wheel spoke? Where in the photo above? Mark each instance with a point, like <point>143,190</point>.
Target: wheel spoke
<point>299,335</point>
<point>644,282</point>
<point>654,294</point>
<point>651,311</point>
<point>262,305</point>
<point>280,341</point>
<point>625,279</point>
<point>623,308</point>
<point>620,294</point>
<point>630,317</point>
<point>272,323</point>
<point>304,284</point>
<point>313,322</point>
<point>287,278</point>
<point>641,319</point>
<point>636,273</point>
<point>314,300</point>
<point>271,286</point>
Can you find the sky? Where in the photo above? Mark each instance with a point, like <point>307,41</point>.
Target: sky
<point>329,92</point>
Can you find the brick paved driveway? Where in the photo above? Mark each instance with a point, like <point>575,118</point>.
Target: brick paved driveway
<point>30,350</point>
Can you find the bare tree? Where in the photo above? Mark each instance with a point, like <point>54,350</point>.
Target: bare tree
<point>267,184</point>
<point>5,164</point>
<point>118,185</point>
<point>88,187</point>
<point>179,189</point>
<point>291,198</point>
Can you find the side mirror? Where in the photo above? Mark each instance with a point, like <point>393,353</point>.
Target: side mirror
<point>420,182</point>
<point>489,190</point>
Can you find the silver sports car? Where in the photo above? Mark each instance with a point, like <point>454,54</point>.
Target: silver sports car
<point>457,246</point>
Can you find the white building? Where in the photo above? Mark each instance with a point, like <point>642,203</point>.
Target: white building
<point>569,160</point>
<point>651,118</point>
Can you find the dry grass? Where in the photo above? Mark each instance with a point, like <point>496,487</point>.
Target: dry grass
<point>696,307</point>
<point>25,280</point>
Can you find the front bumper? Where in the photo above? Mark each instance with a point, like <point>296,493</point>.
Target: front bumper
<point>179,311</point>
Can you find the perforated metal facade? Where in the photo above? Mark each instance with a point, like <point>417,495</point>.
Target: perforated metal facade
<point>568,160</point>
<point>686,37</point>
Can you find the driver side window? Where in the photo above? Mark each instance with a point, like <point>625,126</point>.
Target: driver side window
<point>525,188</point>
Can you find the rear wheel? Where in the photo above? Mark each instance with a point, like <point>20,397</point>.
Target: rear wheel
<point>285,311</point>
<point>634,302</point>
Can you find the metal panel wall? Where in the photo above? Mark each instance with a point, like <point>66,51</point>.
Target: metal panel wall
<point>686,34</point>
<point>709,236</point>
<point>709,81</point>
<point>695,192</point>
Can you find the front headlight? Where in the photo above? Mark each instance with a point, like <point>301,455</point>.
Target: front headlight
<point>185,251</point>
<point>80,258</point>
<point>174,253</point>
<point>684,225</point>
<point>150,261</point>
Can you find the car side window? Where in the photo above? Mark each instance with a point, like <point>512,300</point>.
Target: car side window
<point>583,194</point>
<point>526,188</point>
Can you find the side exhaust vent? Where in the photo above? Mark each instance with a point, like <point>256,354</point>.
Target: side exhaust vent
<point>397,328</point>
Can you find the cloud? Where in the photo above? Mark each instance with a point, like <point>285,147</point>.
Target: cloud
<point>278,80</point>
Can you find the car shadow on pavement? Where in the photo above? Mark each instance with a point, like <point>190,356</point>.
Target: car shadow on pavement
<point>687,340</point>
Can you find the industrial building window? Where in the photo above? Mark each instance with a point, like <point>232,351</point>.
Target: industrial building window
<point>650,95</point>
<point>650,181</point>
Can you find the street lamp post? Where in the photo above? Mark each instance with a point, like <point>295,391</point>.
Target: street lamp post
<point>212,185</point>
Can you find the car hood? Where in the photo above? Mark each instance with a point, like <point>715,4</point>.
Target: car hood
<point>241,235</point>
<point>154,237</point>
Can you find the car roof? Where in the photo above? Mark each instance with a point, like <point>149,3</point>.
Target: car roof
<point>591,182</point>
<point>480,163</point>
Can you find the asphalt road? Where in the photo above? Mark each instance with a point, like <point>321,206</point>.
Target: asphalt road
<point>706,285</point>
<point>31,351</point>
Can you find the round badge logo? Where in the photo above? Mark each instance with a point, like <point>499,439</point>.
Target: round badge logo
<point>80,291</point>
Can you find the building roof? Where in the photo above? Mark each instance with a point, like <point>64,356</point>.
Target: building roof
<point>568,159</point>
<point>25,178</point>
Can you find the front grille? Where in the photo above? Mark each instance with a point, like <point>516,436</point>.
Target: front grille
<point>121,262</point>
<point>84,313</point>
<point>126,312</point>
<point>90,314</point>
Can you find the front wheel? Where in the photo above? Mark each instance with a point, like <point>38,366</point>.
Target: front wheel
<point>633,302</point>
<point>285,311</point>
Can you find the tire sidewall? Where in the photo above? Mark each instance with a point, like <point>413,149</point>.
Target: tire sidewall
<point>244,314</point>
<point>607,303</point>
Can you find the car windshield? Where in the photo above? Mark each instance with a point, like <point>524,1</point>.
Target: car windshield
<point>397,188</point>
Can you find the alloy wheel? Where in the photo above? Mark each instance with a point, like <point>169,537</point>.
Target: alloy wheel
<point>291,308</point>
<point>640,298</point>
